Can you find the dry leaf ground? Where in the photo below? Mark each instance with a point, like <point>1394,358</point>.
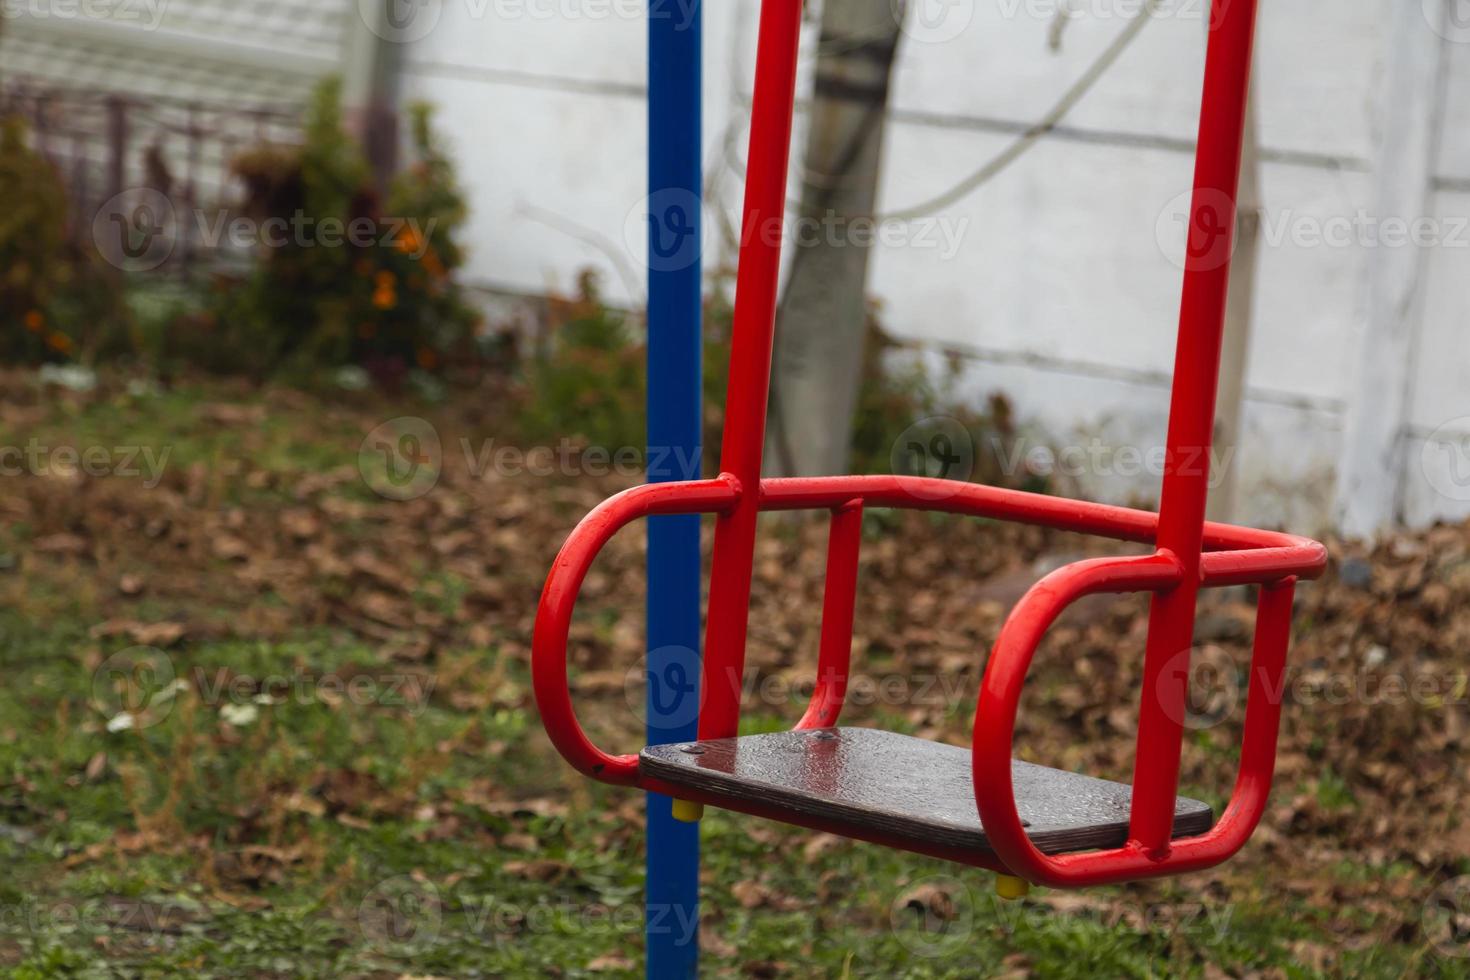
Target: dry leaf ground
<point>262,719</point>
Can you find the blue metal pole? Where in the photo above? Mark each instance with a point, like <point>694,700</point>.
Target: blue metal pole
<point>675,403</point>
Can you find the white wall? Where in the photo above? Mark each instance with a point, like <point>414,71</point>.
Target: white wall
<point>1437,445</point>
<point>1064,287</point>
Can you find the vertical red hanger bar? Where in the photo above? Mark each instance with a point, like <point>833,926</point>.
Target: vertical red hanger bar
<point>1192,419</point>
<point>756,285</point>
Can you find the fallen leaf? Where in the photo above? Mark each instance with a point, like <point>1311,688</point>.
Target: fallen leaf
<point>60,544</point>
<point>145,634</point>
<point>611,961</point>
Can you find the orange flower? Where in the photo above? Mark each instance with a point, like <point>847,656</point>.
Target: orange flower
<point>384,279</point>
<point>408,241</point>
<point>59,342</point>
<point>34,321</point>
<point>385,297</point>
<point>427,358</point>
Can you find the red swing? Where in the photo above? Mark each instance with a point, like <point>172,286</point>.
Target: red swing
<point>981,807</point>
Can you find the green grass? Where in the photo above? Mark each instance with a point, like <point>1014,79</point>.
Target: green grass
<point>479,890</point>
<point>197,424</point>
<point>286,826</point>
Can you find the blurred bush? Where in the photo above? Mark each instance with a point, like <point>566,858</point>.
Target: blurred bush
<point>586,379</point>
<point>383,297</point>
<point>57,301</point>
<point>587,382</point>
<point>902,394</point>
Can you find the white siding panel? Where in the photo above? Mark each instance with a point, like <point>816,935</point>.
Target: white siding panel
<point>580,157</point>
<point>598,44</point>
<point>1440,391</point>
<point>1455,139</point>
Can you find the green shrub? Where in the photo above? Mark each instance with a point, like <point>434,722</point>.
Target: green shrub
<point>896,398</point>
<point>587,382</point>
<point>56,302</point>
<point>384,297</point>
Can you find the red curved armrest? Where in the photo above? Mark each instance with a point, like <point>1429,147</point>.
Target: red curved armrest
<point>559,597</point>
<point>1276,569</point>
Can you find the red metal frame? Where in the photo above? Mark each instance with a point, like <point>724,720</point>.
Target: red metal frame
<point>1190,553</point>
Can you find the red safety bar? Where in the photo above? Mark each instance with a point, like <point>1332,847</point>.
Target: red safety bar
<point>1190,553</point>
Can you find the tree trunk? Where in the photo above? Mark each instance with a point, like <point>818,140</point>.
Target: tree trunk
<point>372,55</point>
<point>822,321</point>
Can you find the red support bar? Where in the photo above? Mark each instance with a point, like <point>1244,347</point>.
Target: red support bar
<point>839,601</point>
<point>995,721</point>
<point>559,597</point>
<point>756,285</point>
<point>1264,696</point>
<point>1192,419</point>
<point>999,503</point>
